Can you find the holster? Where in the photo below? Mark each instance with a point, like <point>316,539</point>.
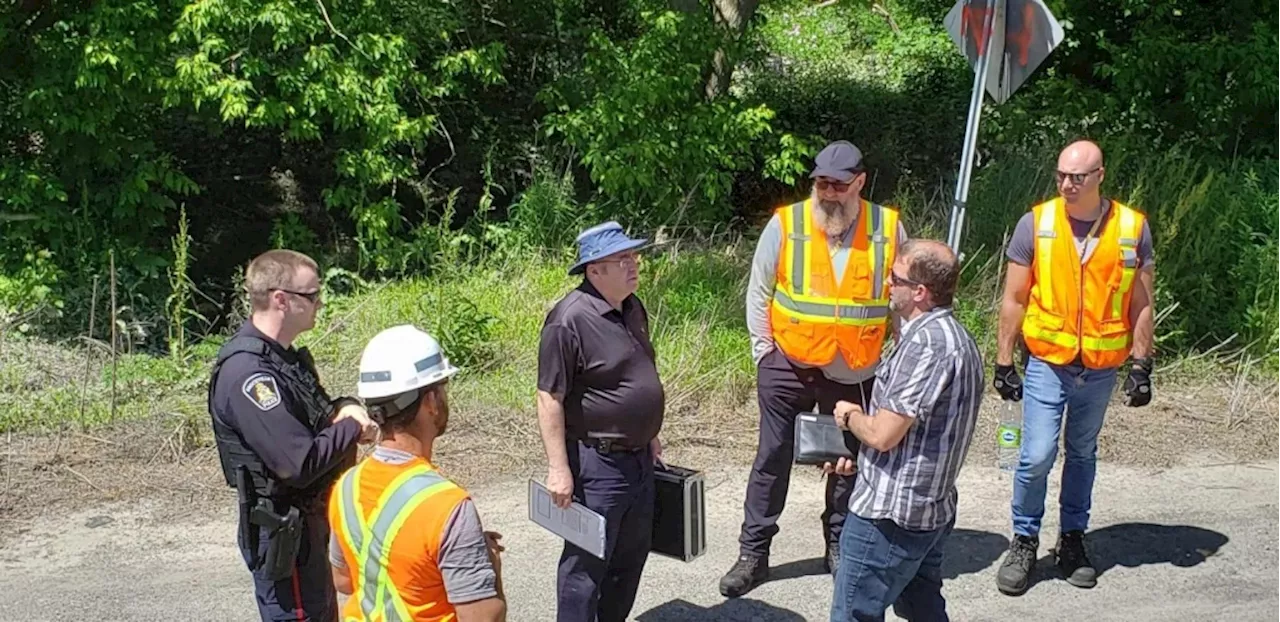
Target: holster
<point>284,532</point>
<point>284,537</point>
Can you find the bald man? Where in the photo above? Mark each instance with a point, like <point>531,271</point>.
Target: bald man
<point>915,435</point>
<point>1079,292</point>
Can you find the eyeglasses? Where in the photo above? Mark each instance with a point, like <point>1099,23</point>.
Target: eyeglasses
<point>823,184</point>
<point>312,297</point>
<point>898,281</point>
<point>629,261</point>
<point>1076,178</point>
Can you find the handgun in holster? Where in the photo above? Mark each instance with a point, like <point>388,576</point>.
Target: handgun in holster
<point>284,532</point>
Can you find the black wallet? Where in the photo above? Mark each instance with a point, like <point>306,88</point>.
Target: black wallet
<point>818,440</point>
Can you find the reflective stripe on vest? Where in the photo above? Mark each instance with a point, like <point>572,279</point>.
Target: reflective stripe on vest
<point>1129,252</point>
<point>823,310</point>
<point>371,538</point>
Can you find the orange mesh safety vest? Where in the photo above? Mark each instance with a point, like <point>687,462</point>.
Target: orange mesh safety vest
<point>1080,309</point>
<point>813,315</point>
<point>389,519</point>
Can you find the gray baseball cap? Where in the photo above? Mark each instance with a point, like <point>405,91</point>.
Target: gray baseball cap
<point>840,160</point>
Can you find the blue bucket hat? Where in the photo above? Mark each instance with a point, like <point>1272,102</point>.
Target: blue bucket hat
<point>601,241</point>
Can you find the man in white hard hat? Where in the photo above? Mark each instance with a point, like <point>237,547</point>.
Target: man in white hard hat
<point>407,543</point>
<point>600,407</point>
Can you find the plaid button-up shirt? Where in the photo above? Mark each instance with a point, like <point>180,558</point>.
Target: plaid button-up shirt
<point>934,375</point>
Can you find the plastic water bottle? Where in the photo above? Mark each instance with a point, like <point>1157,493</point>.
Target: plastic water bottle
<point>1009,436</point>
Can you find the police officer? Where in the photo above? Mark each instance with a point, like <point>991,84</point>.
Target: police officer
<point>282,441</point>
<point>600,406</point>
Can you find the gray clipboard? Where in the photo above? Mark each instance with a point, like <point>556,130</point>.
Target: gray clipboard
<point>577,524</point>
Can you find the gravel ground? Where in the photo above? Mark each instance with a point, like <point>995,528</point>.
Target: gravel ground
<point>1187,543</point>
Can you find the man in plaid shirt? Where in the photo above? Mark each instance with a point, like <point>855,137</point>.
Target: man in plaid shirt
<point>914,441</point>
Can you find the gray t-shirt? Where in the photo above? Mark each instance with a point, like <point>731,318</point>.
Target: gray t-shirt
<point>464,555</point>
<point>764,278</point>
<point>1022,246</point>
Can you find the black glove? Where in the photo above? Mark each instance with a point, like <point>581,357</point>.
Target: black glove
<point>1138,385</point>
<point>1008,383</point>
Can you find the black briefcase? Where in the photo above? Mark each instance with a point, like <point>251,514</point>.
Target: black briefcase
<point>819,440</point>
<point>679,513</point>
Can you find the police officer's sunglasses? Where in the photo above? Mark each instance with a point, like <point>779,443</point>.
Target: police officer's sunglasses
<point>1076,178</point>
<point>312,297</point>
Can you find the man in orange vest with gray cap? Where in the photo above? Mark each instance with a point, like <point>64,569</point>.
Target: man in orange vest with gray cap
<point>818,315</point>
<point>1079,292</point>
<point>406,543</point>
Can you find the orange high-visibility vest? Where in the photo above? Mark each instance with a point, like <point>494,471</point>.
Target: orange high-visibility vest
<point>813,316</point>
<point>390,519</point>
<point>1080,309</point>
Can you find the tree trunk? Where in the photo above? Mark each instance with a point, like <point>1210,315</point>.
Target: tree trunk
<point>731,16</point>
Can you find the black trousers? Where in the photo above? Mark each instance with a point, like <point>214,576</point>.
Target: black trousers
<point>785,390</point>
<point>619,486</point>
<point>308,595</point>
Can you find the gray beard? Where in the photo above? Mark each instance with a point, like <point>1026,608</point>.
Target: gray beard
<point>833,217</point>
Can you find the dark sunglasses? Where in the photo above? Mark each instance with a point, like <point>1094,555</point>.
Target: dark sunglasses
<point>1076,178</point>
<point>311,297</point>
<point>823,184</point>
<point>898,281</point>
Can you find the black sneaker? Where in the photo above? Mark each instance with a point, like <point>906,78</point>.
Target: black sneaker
<point>1015,572</point>
<point>1073,561</point>
<point>746,574</point>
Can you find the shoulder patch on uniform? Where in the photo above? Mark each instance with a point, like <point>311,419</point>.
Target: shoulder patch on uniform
<point>261,389</point>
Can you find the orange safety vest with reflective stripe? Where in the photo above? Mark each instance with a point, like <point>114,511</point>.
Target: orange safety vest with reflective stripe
<point>814,316</point>
<point>1082,308</point>
<point>389,520</point>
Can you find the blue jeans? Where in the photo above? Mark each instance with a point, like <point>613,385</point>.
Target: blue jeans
<point>1048,391</point>
<point>882,564</point>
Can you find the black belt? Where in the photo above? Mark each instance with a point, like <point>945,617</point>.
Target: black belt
<point>610,445</point>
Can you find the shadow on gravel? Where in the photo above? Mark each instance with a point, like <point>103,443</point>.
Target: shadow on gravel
<point>733,610</point>
<point>1139,544</point>
<point>970,552</point>
<point>966,552</point>
<point>796,569</point>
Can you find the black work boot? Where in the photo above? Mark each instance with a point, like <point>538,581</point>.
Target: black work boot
<point>745,574</point>
<point>1015,572</point>
<point>1072,560</point>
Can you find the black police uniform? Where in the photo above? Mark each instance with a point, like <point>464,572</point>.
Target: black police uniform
<point>272,424</point>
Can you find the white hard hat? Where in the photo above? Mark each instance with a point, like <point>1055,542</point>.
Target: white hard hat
<point>400,360</point>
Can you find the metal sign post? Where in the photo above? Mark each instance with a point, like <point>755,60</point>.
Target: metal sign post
<point>991,19</point>
<point>1004,40</point>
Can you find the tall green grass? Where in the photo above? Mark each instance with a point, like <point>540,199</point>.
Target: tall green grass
<point>1214,223</point>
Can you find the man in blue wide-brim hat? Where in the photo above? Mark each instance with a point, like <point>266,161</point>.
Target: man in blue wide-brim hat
<point>600,407</point>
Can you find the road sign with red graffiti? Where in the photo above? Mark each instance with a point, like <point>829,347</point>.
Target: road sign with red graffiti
<point>1004,40</point>
<point>1021,34</point>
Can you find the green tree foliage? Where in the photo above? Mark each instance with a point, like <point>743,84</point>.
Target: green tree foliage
<point>393,137</point>
<point>649,136</point>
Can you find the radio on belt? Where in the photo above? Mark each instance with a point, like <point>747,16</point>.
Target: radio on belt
<point>679,513</point>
